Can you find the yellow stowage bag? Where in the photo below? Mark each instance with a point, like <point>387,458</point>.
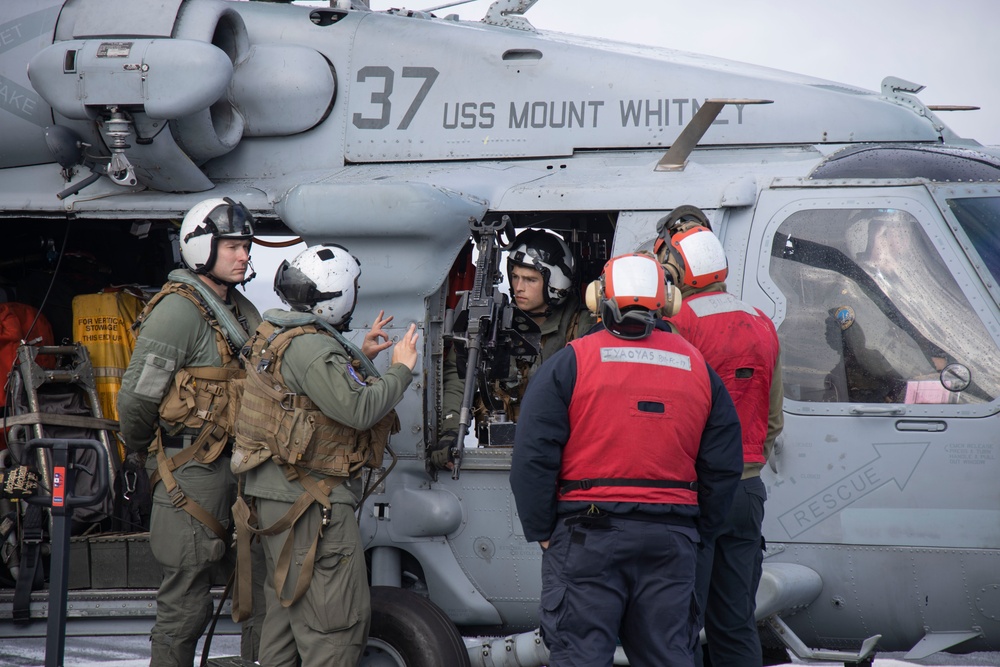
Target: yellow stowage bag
<point>102,323</point>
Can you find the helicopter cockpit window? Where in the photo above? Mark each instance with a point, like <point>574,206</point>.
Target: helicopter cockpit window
<point>873,314</point>
<point>980,218</point>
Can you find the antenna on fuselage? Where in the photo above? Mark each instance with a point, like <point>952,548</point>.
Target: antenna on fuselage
<point>676,157</point>
<point>952,107</point>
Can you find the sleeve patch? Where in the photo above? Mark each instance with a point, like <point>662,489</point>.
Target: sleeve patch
<point>354,374</point>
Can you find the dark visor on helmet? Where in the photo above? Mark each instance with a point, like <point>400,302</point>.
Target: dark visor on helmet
<point>297,289</point>
<point>534,252</point>
<point>539,254</point>
<point>232,220</point>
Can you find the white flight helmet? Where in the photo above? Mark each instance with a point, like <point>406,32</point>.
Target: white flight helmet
<point>323,280</point>
<point>549,255</point>
<point>205,223</point>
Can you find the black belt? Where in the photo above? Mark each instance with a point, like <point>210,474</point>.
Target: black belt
<point>600,519</point>
<point>567,485</point>
<point>179,442</point>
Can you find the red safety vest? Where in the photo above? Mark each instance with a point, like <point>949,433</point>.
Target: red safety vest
<point>636,418</point>
<point>740,343</point>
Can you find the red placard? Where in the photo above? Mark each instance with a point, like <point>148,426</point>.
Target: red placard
<point>58,486</point>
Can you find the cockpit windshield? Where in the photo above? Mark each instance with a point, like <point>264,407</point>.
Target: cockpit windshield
<point>980,219</point>
<point>873,313</point>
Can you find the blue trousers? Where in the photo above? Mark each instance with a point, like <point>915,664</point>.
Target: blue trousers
<point>729,569</point>
<point>626,579</point>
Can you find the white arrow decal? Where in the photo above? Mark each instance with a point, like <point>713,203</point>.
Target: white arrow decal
<point>893,462</point>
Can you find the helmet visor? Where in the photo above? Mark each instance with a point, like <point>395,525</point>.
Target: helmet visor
<point>233,220</point>
<point>297,289</point>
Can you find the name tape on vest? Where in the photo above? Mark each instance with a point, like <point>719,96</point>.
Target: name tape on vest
<point>716,305</point>
<point>643,355</point>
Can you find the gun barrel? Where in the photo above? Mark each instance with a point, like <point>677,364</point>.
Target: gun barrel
<point>482,321</point>
<point>465,415</point>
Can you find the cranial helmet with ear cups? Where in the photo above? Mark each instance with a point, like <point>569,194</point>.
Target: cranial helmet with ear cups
<point>631,295</point>
<point>690,253</point>
<point>323,280</point>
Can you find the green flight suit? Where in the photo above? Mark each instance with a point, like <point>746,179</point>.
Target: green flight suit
<point>175,335</point>
<point>329,624</point>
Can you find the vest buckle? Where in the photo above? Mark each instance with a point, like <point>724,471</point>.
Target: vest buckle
<point>177,497</point>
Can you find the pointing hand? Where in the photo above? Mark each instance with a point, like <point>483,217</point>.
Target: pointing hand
<point>405,351</point>
<point>371,345</point>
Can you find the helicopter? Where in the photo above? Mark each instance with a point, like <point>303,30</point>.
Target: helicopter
<point>857,220</point>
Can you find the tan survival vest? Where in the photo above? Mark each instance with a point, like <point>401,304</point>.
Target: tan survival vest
<point>278,424</point>
<point>287,428</point>
<point>206,398</point>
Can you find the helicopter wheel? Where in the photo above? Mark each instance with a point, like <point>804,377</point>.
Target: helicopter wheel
<point>408,630</point>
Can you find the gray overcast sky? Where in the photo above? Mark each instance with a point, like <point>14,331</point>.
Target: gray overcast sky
<point>951,48</point>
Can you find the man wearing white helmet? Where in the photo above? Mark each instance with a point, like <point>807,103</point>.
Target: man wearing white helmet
<point>628,448</point>
<point>541,271</point>
<point>177,401</point>
<point>741,344</point>
<point>315,411</point>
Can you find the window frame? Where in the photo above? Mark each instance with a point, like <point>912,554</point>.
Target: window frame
<point>778,204</point>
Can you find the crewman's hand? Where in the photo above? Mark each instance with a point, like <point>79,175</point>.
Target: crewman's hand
<point>18,482</point>
<point>371,345</point>
<point>405,351</point>
<point>544,544</point>
<point>440,453</point>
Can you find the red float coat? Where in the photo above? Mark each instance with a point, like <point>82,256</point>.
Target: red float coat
<point>637,413</point>
<point>740,343</point>
<point>15,318</point>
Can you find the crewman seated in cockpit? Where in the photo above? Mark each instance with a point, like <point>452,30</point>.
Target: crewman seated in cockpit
<point>541,270</point>
<point>863,375</point>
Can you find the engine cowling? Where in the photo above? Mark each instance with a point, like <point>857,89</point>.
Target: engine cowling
<point>164,87</point>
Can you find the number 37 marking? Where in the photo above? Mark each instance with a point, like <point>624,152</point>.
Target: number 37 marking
<point>381,97</point>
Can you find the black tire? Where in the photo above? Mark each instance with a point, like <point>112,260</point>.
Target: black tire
<point>408,630</point>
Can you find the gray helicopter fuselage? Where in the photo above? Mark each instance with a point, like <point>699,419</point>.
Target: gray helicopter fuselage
<point>387,132</point>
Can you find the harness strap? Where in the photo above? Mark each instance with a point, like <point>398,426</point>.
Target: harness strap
<point>227,346</point>
<point>245,519</point>
<point>316,491</point>
<point>214,373</point>
<point>567,485</point>
<point>165,473</point>
<point>574,324</point>
<point>287,400</point>
<point>208,430</point>
<point>274,344</point>
<point>30,576</point>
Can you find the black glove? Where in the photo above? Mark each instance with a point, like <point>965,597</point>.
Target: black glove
<point>18,482</point>
<point>440,453</point>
